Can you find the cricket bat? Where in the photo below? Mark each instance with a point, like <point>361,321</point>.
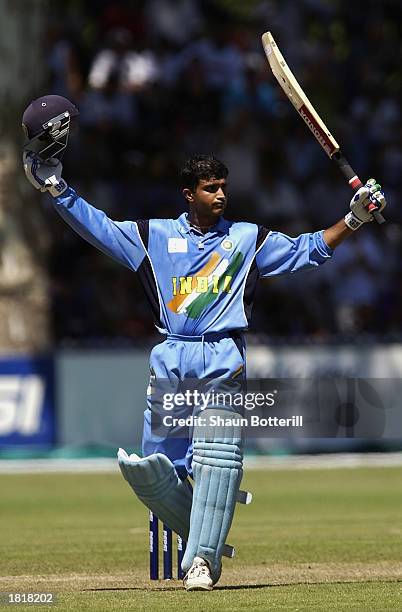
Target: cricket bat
<point>306,110</point>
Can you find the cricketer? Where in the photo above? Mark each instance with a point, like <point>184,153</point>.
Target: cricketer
<point>199,273</point>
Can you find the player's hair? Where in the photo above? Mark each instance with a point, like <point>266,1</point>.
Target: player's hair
<point>201,167</point>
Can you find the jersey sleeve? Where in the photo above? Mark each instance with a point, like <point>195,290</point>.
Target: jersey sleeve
<point>281,254</point>
<point>121,240</point>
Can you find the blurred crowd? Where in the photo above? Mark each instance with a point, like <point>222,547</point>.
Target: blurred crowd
<point>160,80</point>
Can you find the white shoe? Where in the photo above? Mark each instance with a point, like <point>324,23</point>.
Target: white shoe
<point>198,577</point>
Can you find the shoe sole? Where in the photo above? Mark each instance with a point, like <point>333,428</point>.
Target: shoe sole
<point>199,587</point>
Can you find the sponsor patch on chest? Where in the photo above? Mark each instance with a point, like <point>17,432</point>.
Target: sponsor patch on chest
<point>177,245</point>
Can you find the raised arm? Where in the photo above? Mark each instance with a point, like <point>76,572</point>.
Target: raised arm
<point>281,254</point>
<point>120,240</point>
<point>337,233</point>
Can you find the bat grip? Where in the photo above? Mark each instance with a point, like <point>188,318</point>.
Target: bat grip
<point>354,182</point>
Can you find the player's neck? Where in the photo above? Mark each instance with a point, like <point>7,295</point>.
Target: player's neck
<point>202,224</point>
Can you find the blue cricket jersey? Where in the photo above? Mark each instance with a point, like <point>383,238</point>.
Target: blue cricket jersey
<point>195,283</point>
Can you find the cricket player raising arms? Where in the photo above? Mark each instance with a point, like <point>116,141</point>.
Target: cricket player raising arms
<point>199,273</point>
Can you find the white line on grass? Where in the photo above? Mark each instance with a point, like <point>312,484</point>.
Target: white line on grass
<point>289,462</point>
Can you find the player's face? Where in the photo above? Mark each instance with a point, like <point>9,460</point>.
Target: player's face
<point>209,199</point>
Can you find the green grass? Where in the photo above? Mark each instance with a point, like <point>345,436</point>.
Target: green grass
<point>311,540</point>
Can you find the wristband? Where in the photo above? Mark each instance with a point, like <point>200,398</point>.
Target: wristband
<point>352,221</point>
<point>55,186</point>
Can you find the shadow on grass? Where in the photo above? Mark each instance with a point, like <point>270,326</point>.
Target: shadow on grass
<point>240,587</point>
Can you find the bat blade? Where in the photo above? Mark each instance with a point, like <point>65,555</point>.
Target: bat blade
<point>307,112</point>
<point>296,95</point>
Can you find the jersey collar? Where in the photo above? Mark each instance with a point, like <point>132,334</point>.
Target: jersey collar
<point>220,227</point>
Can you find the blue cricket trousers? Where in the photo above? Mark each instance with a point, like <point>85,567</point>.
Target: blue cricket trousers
<point>212,356</point>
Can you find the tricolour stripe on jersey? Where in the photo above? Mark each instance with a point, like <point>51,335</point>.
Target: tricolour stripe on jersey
<point>203,300</point>
<point>219,270</point>
<point>175,304</point>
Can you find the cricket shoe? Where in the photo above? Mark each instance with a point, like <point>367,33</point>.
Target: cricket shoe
<point>198,577</point>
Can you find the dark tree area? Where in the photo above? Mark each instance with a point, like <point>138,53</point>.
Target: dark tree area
<point>24,289</point>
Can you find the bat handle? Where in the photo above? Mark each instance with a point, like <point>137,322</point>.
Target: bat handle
<point>354,182</point>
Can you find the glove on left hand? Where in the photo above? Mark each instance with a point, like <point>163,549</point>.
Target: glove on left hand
<point>45,176</point>
<point>371,193</point>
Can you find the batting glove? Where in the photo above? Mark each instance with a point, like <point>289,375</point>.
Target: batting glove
<point>45,176</point>
<point>371,193</point>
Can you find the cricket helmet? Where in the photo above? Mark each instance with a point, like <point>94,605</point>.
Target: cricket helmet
<point>46,123</point>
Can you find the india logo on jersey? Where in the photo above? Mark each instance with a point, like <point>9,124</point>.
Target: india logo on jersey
<point>192,294</point>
